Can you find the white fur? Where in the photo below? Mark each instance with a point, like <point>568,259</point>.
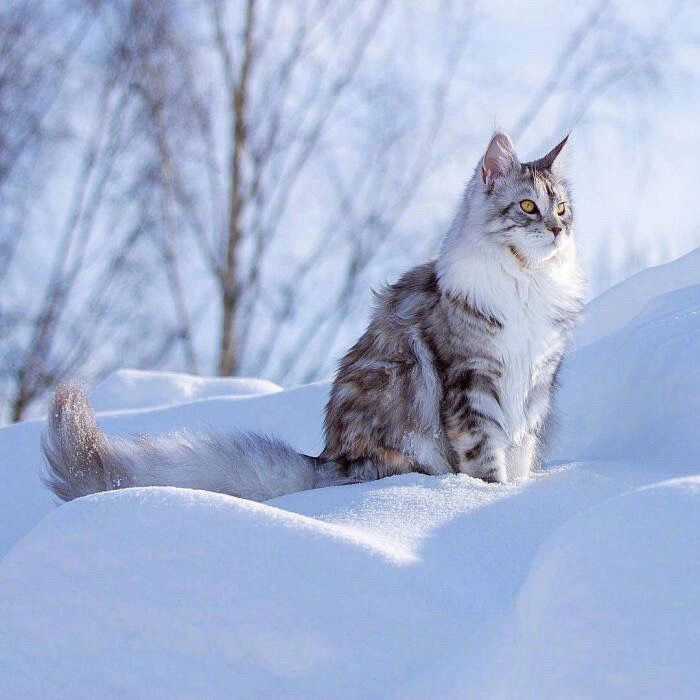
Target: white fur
<point>526,303</point>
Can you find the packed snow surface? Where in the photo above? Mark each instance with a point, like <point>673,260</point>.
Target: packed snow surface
<point>582,581</point>
<point>133,388</point>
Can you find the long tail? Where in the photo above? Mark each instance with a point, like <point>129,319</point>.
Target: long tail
<point>82,459</point>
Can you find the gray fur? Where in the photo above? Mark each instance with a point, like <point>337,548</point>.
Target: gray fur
<point>82,460</point>
<point>454,373</point>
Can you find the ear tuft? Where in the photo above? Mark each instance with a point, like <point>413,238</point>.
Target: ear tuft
<point>547,161</point>
<point>498,160</point>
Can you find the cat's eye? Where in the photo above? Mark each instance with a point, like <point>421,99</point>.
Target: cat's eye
<point>528,206</point>
<point>561,208</point>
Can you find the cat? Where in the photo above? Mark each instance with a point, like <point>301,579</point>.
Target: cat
<point>454,374</point>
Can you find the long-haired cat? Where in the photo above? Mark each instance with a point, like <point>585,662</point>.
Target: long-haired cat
<point>455,372</point>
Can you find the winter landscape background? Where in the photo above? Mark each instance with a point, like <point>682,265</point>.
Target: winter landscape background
<point>214,187</point>
<point>190,189</point>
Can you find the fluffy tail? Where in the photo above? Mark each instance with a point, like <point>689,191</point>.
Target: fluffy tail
<point>82,459</point>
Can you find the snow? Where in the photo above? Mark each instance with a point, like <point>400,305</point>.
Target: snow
<point>610,604</point>
<point>579,582</point>
<point>133,388</point>
<point>627,300</point>
<point>636,392</point>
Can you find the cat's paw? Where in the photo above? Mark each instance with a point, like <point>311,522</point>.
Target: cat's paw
<point>492,475</point>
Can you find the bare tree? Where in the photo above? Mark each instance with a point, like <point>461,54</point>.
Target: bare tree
<point>290,77</point>
<point>273,133</point>
<point>30,84</point>
<point>150,133</point>
<point>96,260</point>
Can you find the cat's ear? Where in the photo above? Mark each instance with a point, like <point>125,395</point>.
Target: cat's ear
<point>548,162</point>
<point>498,160</point>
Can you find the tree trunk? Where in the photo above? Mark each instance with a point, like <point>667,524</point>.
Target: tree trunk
<point>229,354</point>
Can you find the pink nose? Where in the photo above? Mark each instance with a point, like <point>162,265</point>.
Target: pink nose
<point>556,230</point>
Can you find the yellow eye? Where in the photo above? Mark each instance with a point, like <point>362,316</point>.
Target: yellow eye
<point>528,206</point>
<point>561,208</point>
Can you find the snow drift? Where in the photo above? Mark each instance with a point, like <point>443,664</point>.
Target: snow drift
<point>581,581</point>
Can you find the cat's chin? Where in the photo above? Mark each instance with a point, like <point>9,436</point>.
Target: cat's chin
<point>532,257</point>
<point>549,251</point>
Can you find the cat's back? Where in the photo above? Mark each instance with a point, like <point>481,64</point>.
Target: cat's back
<point>388,343</point>
<point>415,294</point>
<point>373,397</point>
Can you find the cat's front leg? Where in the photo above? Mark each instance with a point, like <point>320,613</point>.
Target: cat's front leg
<point>521,455</point>
<point>479,453</point>
<point>473,420</point>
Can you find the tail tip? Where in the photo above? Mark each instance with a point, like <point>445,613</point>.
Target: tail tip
<point>70,444</point>
<point>68,400</point>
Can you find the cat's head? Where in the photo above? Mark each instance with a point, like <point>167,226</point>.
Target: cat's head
<point>515,222</point>
<point>522,207</point>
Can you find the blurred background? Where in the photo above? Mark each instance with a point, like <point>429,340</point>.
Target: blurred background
<point>214,187</point>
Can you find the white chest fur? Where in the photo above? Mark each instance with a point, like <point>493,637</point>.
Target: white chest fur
<point>529,303</point>
<point>529,337</point>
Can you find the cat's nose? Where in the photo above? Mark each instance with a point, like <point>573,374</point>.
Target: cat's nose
<point>556,230</point>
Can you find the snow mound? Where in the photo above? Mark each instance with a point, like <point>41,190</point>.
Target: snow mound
<point>192,593</point>
<point>622,303</point>
<point>199,593</point>
<point>611,604</point>
<point>635,394</point>
<point>133,388</point>
<point>295,415</point>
